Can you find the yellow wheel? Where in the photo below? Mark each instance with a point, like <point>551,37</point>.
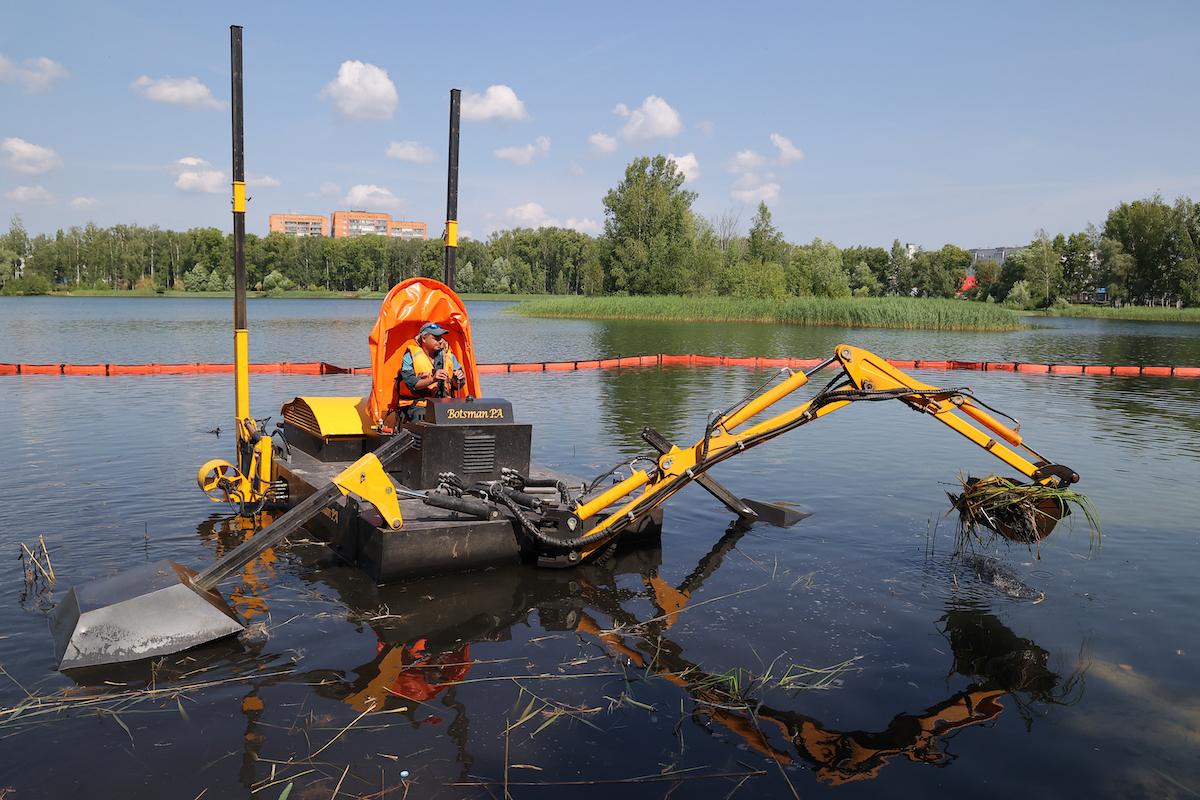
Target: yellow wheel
<point>217,479</point>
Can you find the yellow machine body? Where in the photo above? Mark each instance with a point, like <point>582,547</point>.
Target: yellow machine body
<point>329,416</point>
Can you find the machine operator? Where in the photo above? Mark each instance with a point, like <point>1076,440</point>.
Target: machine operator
<point>428,368</point>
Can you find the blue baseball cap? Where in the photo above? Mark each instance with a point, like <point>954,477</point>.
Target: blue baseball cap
<point>432,328</point>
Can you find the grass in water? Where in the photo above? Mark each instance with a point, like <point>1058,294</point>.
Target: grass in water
<point>1019,512</point>
<point>874,312</point>
<point>1158,313</point>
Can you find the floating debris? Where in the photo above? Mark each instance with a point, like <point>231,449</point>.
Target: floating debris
<point>1025,513</point>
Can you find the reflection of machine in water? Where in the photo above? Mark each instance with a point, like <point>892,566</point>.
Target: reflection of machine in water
<point>426,630</point>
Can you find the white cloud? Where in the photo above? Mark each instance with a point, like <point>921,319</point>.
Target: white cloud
<point>30,194</point>
<point>530,215</point>
<point>498,102</point>
<point>706,128</point>
<point>752,189</point>
<point>196,175</point>
<point>38,77</point>
<point>578,171</point>
<point>654,120</point>
<point>29,158</point>
<point>367,196</point>
<point>602,144</point>
<point>787,151</point>
<point>361,92</point>
<point>260,180</point>
<point>84,202</point>
<point>688,165</point>
<point>745,161</point>
<point>526,154</point>
<point>326,190</point>
<point>584,225</point>
<point>186,92</point>
<point>411,151</point>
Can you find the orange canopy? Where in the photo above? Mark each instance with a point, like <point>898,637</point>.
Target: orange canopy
<point>408,306</point>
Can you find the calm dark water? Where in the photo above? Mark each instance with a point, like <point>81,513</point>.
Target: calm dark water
<point>1070,675</point>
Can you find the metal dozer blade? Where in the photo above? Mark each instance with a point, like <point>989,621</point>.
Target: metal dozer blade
<point>161,608</point>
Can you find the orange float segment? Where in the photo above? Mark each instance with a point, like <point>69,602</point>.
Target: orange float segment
<point>1159,371</point>
<point>1066,369</point>
<point>85,369</point>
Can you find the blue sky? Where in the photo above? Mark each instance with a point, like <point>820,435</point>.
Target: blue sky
<point>966,123</point>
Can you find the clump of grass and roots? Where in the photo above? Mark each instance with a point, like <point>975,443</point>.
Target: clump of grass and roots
<point>1025,513</point>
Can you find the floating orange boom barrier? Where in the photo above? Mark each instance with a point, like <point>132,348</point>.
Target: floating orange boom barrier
<point>323,368</point>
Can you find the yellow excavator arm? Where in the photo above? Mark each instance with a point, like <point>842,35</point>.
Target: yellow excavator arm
<point>865,377</point>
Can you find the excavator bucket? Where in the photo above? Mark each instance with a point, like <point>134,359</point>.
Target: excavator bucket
<point>148,611</point>
<point>162,608</point>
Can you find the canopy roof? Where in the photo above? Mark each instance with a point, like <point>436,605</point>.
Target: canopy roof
<point>407,307</point>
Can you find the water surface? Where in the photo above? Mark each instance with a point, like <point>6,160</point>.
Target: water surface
<point>1069,674</point>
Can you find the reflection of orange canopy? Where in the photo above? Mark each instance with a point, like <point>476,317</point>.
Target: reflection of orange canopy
<point>408,306</point>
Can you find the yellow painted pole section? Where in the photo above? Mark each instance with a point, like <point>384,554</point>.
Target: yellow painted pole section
<point>239,197</point>
<point>764,400</point>
<point>241,376</point>
<point>589,509</point>
<point>452,233</point>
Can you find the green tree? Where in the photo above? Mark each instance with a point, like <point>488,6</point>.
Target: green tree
<point>1114,269</point>
<point>1144,230</point>
<point>648,228</point>
<point>863,282</point>
<point>899,270</point>
<point>433,259</point>
<point>941,272</point>
<point>1043,267</point>
<point>1077,262</point>
<point>765,243</point>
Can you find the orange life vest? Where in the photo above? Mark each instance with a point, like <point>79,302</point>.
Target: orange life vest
<point>423,364</point>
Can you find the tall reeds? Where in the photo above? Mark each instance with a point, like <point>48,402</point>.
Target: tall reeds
<point>880,312</point>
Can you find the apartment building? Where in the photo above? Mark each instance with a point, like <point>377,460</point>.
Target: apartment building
<point>298,225</point>
<point>348,224</point>
<point>408,230</point>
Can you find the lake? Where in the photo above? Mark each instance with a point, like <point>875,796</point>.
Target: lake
<point>852,654</point>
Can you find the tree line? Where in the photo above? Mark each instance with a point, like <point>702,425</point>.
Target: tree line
<point>653,244</point>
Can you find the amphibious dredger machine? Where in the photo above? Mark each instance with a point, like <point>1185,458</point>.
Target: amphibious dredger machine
<point>403,489</point>
<point>446,485</point>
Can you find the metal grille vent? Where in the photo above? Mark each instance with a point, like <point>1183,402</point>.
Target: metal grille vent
<point>299,414</point>
<point>479,453</point>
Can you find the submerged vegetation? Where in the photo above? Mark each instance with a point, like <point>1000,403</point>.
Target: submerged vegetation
<point>1019,512</point>
<point>882,312</point>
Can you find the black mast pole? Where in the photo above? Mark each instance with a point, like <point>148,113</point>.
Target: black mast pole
<point>450,270</point>
<point>241,349</point>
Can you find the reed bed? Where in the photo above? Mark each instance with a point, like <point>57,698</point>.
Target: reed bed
<point>1157,313</point>
<point>875,312</point>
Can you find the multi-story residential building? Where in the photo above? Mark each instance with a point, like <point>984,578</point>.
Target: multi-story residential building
<point>348,224</point>
<point>997,254</point>
<point>298,225</point>
<point>408,230</point>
